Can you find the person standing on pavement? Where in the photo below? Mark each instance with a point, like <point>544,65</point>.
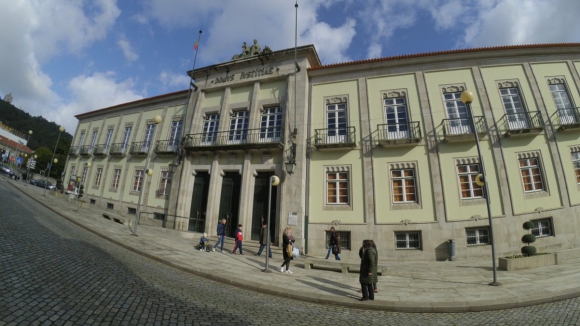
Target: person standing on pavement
<point>368,271</point>
<point>264,241</point>
<point>360,254</point>
<point>221,233</point>
<point>287,241</point>
<point>239,237</point>
<point>334,246</point>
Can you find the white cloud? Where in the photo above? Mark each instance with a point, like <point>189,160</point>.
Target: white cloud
<point>170,79</point>
<point>127,49</point>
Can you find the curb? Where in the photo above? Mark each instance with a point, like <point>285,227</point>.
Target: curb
<point>389,306</point>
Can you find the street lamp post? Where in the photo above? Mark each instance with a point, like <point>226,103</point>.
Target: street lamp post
<point>148,172</point>
<point>60,129</point>
<point>88,165</point>
<point>274,181</point>
<point>467,98</point>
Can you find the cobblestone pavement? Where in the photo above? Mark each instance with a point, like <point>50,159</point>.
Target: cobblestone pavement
<point>55,273</point>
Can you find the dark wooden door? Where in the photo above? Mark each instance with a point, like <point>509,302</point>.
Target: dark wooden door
<point>230,201</point>
<point>260,209</point>
<point>199,202</point>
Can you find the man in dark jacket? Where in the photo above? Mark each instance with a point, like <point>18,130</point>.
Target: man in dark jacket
<point>264,240</point>
<point>334,246</point>
<point>221,233</point>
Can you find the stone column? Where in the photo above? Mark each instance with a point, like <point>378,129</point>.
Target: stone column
<point>213,200</point>
<point>246,196</point>
<point>367,156</point>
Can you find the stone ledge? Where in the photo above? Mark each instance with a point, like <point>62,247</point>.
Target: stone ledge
<point>514,264</point>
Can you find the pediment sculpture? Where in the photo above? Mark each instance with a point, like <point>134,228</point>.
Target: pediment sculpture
<point>251,51</point>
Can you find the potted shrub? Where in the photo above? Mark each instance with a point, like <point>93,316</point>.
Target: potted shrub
<point>529,257</point>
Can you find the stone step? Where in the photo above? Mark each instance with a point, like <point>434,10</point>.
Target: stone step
<point>570,256</point>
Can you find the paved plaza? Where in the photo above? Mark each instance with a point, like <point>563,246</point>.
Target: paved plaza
<point>54,272</point>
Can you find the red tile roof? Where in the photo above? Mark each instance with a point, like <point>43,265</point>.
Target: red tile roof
<point>429,54</point>
<point>11,145</point>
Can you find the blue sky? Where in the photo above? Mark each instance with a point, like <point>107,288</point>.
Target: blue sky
<point>59,58</point>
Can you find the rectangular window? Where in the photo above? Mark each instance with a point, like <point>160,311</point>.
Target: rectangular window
<point>336,122</point>
<point>81,139</point>
<point>72,170</point>
<point>477,236</point>
<point>174,133</point>
<point>403,185</point>
<point>337,188</point>
<point>138,180</point>
<point>517,116</point>
<point>576,163</point>
<point>408,240</point>
<point>126,136</point>
<point>271,124</point>
<point>98,177</point>
<point>344,239</point>
<point>542,227</point>
<point>457,114</point>
<point>149,131</point>
<point>84,176</point>
<point>238,127</point>
<point>110,206</point>
<point>210,126</point>
<point>566,111</point>
<point>131,210</point>
<point>94,139</point>
<point>396,118</point>
<point>159,217</point>
<point>108,139</point>
<point>93,202</point>
<point>531,174</point>
<point>165,183</point>
<point>116,178</point>
<point>467,174</point>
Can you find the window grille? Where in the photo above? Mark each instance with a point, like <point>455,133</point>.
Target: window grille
<point>477,236</point>
<point>542,227</point>
<point>408,240</point>
<point>131,210</point>
<point>344,239</point>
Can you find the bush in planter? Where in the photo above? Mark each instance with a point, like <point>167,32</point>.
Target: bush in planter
<point>528,238</point>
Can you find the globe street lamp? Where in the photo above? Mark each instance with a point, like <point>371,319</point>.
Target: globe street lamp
<point>481,180</point>
<point>148,172</point>
<point>274,181</point>
<point>60,129</point>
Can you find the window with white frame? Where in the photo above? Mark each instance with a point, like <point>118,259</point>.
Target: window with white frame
<point>165,183</point>
<point>108,138</point>
<point>175,132</point>
<point>542,227</point>
<point>84,174</point>
<point>531,174</point>
<point>149,131</point>
<point>238,126</point>
<point>81,138</point>
<point>336,121</point>
<point>98,177</point>
<point>337,188</point>
<point>459,122</point>
<point>138,180</point>
<point>126,135</point>
<point>116,178</point>
<point>467,174</point>
<point>576,163</point>
<point>517,116</point>
<point>210,126</point>
<point>271,124</point>
<point>403,184</point>
<point>477,236</point>
<point>396,118</point>
<point>566,111</point>
<point>94,139</point>
<point>408,240</point>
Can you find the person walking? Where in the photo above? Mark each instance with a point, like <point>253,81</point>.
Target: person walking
<point>334,246</point>
<point>221,233</point>
<point>264,241</point>
<point>287,241</point>
<point>368,271</point>
<point>239,237</point>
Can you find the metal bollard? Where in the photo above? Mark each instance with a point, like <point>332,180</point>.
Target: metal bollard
<point>451,249</point>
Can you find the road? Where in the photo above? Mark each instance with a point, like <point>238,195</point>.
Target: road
<point>53,272</point>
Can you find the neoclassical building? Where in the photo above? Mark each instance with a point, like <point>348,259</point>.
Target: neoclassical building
<point>380,149</point>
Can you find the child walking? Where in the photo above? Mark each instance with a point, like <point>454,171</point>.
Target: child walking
<point>239,236</point>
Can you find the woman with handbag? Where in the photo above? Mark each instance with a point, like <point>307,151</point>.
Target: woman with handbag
<point>334,246</point>
<point>287,241</point>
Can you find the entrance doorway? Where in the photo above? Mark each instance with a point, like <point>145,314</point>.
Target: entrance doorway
<point>199,202</point>
<point>260,210</point>
<point>230,201</point>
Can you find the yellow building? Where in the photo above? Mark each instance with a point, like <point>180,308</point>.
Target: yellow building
<point>382,149</point>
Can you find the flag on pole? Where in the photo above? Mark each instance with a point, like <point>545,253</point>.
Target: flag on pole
<point>196,45</point>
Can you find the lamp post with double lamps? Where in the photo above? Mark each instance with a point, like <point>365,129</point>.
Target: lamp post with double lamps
<point>274,181</point>
<point>467,98</point>
<point>60,129</point>
<point>148,172</point>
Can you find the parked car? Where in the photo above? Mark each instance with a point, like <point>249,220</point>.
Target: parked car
<point>43,184</point>
<point>7,172</point>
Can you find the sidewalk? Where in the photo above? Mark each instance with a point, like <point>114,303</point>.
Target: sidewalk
<point>457,286</point>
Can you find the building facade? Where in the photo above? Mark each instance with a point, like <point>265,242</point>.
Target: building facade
<point>382,149</point>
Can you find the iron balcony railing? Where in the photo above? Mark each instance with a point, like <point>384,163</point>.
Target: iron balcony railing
<point>462,126</point>
<point>567,118</point>
<point>166,146</point>
<point>140,148</point>
<point>101,149</point>
<point>335,137</point>
<point>74,150</point>
<point>247,138</point>
<point>394,132</point>
<point>85,150</point>
<point>118,149</point>
<point>524,122</point>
